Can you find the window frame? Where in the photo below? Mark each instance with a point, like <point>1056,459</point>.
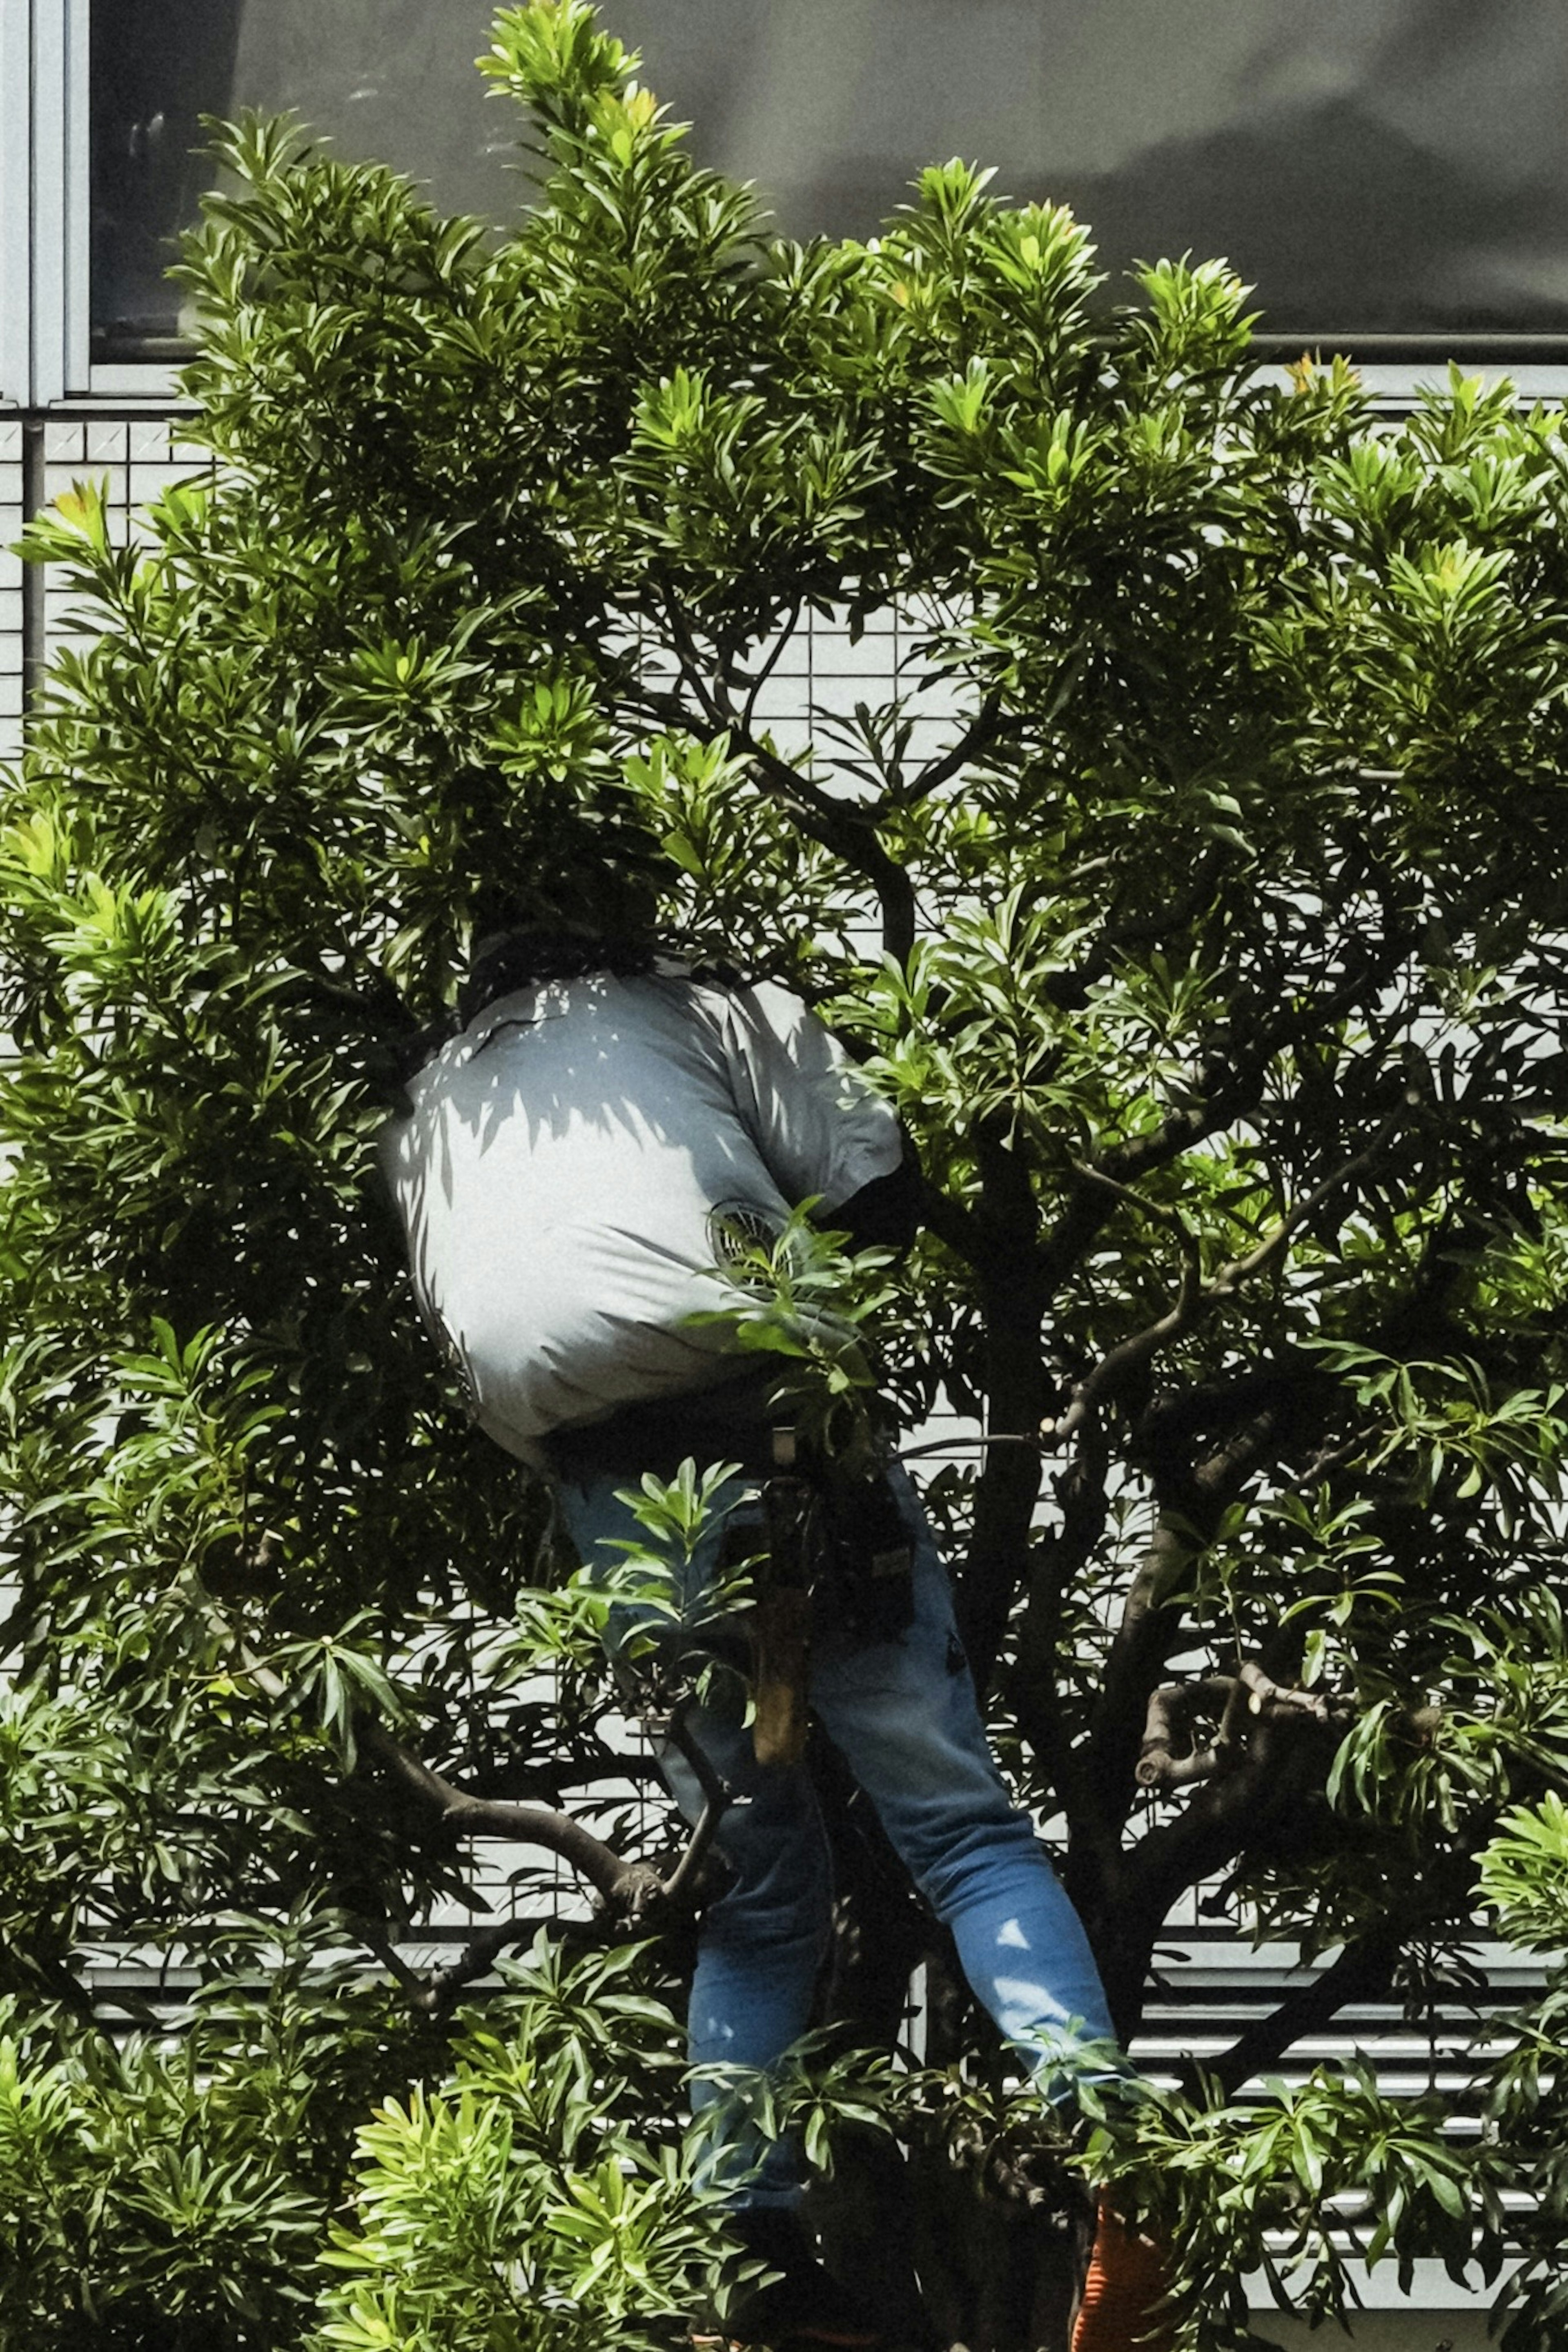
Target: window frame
<point>16,203</point>
<point>45,313</point>
<point>45,197</point>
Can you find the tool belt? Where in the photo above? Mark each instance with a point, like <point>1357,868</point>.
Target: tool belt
<point>833,1542</point>
<point>835,1549</point>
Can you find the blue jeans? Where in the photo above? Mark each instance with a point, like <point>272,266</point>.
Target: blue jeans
<point>902,1714</point>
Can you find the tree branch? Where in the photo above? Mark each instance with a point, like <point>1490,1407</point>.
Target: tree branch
<point>1195,1297</point>
<point>436,1993</point>
<point>1013,1305</point>
<point>850,831</point>
<point>1119,1363</point>
<point>1150,1623</point>
<point>1167,1759</point>
<point>755,686</point>
<point>627,1887</point>
<point>1229,1091</point>
<point>1083,1500</point>
<point>717,1798</point>
<point>1362,1966</point>
<point>978,736</point>
<point>1281,1767</point>
<point>1229,1279</point>
<point>950,1221</point>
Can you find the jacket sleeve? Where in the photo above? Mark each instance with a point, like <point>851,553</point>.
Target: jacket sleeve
<point>885,1212</point>
<point>822,1128</point>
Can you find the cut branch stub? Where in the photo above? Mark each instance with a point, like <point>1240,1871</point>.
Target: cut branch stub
<point>1167,1757</point>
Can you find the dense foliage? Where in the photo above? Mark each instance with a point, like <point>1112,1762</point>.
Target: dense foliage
<point>1212,820</point>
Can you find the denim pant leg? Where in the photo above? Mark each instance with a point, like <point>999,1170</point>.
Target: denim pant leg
<point>761,1944</point>
<point>903,1715</point>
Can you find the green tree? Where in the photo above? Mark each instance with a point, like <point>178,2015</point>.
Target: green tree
<point>1212,824</point>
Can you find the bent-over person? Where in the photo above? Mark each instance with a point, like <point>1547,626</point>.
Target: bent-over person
<point>566,1174</point>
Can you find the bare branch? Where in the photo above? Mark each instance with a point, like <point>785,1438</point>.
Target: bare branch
<point>414,1985</point>
<point>632,1890</point>
<point>1166,1756</point>
<point>1061,1554</point>
<point>622,1886</point>
<point>1013,1301</point>
<point>437,1991</point>
<point>754,685</point>
<point>1149,1621</point>
<point>717,1798</point>
<point>953,1222</point>
<point>1361,1968</point>
<point>1263,1692</point>
<point>1266,1781</point>
<point>847,830</point>
<point>977,737</point>
<point>1108,1184</point>
<point>1241,1090</point>
<point>1229,1278</point>
<point>1119,1362</point>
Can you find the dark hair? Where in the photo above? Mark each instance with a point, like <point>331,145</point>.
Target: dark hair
<point>539,951</point>
<point>522,957</point>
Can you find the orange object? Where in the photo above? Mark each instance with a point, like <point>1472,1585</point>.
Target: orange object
<point>1125,2291</point>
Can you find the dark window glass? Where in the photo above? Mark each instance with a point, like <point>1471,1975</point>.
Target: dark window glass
<point>392,79</point>
<point>1372,167</point>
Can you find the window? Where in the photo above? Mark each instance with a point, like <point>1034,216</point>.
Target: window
<point>392,79</point>
<point>1388,174</point>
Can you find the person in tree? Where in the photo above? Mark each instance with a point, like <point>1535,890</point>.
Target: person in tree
<point>570,1169</point>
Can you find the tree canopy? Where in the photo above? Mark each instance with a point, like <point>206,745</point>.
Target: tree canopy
<point>1189,876</point>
